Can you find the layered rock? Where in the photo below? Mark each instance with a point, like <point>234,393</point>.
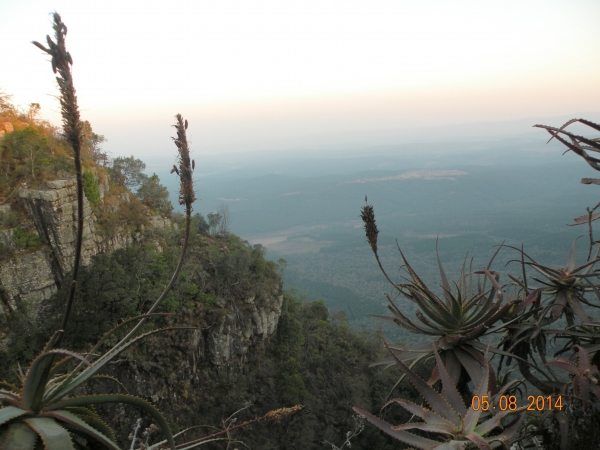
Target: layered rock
<point>237,328</point>
<point>34,276</point>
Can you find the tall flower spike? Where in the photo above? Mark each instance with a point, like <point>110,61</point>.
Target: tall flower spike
<point>186,191</point>
<point>367,215</point>
<point>61,62</point>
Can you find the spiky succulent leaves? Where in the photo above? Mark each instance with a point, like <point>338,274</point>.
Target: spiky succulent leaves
<point>446,285</point>
<point>35,381</point>
<point>448,415</point>
<point>438,404</point>
<point>76,379</point>
<point>577,142</point>
<point>401,435</point>
<point>403,321</point>
<point>11,412</point>
<point>87,426</point>
<point>585,375</point>
<point>116,398</point>
<point>91,417</point>
<point>449,390</point>
<point>459,320</point>
<point>54,436</point>
<point>113,330</point>
<point>568,285</point>
<point>18,436</point>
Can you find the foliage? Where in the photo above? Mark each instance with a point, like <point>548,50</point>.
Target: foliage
<point>26,239</point>
<point>450,416</point>
<point>31,155</point>
<point>37,152</point>
<point>91,143</point>
<point>154,195</point>
<point>120,213</point>
<point>127,171</point>
<point>585,375</point>
<point>240,268</point>
<point>90,188</point>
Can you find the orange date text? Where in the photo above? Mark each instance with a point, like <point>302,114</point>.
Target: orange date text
<point>509,402</point>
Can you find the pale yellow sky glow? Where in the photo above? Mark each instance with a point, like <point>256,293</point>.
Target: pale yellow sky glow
<point>275,75</point>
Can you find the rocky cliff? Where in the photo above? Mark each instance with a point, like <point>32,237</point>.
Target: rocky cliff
<point>34,275</point>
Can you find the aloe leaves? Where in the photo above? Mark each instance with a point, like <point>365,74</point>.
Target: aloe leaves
<point>76,414</point>
<point>457,319</point>
<point>448,415</point>
<point>585,375</point>
<point>578,144</point>
<point>19,436</point>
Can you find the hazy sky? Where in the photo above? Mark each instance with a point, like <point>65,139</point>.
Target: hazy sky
<point>255,75</point>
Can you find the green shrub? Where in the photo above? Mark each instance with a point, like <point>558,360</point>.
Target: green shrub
<point>90,188</point>
<point>208,299</point>
<point>26,239</point>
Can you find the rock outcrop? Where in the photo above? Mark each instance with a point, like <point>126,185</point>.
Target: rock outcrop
<point>35,275</point>
<point>238,327</point>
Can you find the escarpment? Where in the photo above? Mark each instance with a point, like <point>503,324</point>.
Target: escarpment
<point>237,316</point>
<point>36,254</point>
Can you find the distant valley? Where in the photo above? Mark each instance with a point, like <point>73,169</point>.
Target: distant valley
<point>305,209</point>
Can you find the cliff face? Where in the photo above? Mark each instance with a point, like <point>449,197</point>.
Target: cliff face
<point>33,276</point>
<point>240,326</point>
<point>30,277</point>
<point>180,371</point>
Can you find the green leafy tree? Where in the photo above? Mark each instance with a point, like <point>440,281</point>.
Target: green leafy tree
<point>154,195</point>
<point>92,144</point>
<point>127,171</point>
<point>201,225</point>
<point>28,146</point>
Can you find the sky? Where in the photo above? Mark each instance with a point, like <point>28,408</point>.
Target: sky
<point>275,75</point>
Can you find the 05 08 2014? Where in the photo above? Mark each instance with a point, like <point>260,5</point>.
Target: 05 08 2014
<point>509,402</point>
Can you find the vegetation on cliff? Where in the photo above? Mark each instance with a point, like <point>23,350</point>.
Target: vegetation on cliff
<point>314,359</point>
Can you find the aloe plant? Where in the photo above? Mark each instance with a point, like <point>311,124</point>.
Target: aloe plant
<point>49,408</point>
<point>448,416</point>
<point>457,320</point>
<point>585,375</point>
<point>566,287</point>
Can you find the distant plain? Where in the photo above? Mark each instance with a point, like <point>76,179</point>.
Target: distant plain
<point>471,194</point>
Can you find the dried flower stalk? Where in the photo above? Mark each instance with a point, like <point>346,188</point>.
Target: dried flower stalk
<point>72,128</point>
